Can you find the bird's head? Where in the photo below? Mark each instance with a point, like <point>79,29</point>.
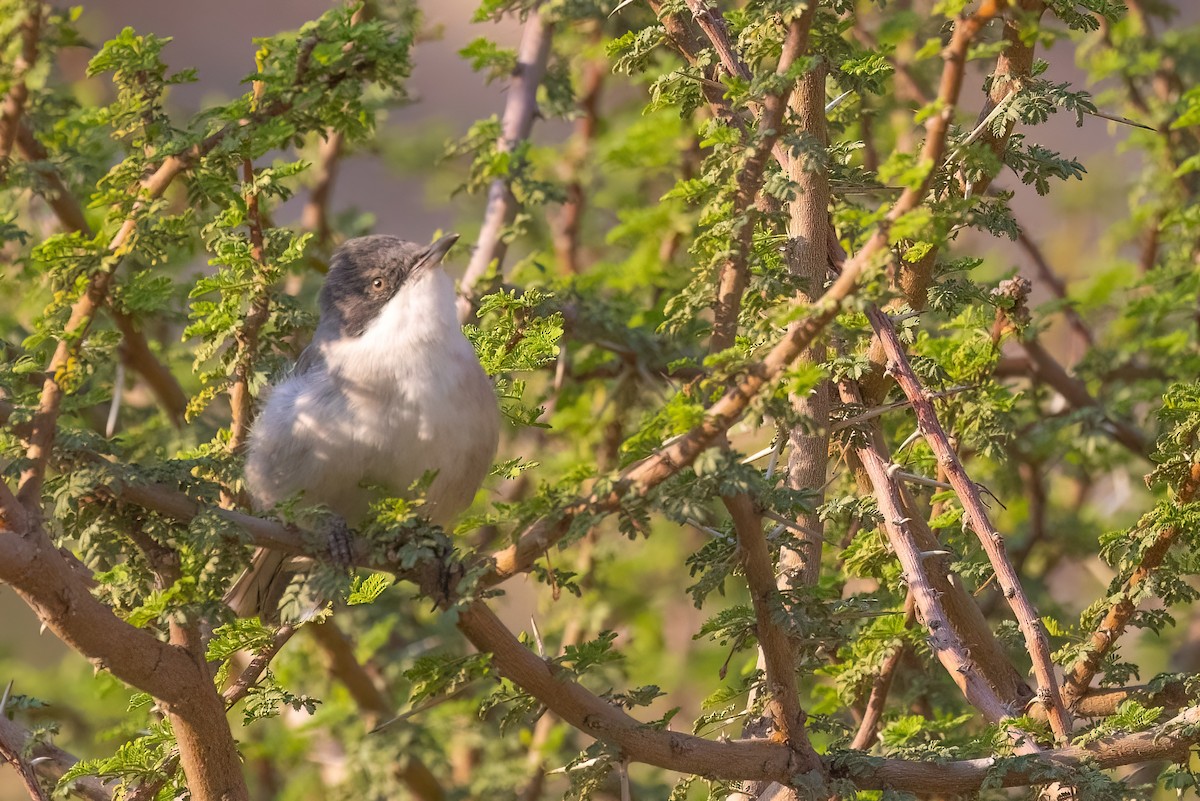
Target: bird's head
<point>368,273</point>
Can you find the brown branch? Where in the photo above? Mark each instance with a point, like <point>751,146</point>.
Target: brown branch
<point>48,761</point>
<point>13,106</point>
<point>256,667</point>
<point>240,400</point>
<point>515,126</point>
<point>315,216</point>
<point>783,708</point>
<point>1112,626</point>
<point>967,491</point>
<point>732,276</point>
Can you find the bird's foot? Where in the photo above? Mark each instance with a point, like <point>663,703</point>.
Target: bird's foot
<point>341,542</point>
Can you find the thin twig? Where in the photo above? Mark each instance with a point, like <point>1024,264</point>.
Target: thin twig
<point>1112,626</point>
<point>253,671</point>
<point>515,126</point>
<point>1056,285</point>
<point>240,400</point>
<point>568,225</point>
<point>733,274</point>
<point>13,106</point>
<point>135,349</point>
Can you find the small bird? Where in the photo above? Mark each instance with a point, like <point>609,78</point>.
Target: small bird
<point>388,390</point>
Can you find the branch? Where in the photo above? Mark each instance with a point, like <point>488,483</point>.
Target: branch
<point>1112,626</point>
<point>519,111</point>
<point>784,709</point>
<point>240,400</point>
<point>253,671</point>
<point>1075,392</point>
<point>13,106</point>
<point>48,762</point>
<point>44,579</point>
<point>976,514</point>
<point>1056,285</point>
<point>732,277</point>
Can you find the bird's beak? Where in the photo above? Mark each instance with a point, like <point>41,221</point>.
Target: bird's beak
<point>434,253</point>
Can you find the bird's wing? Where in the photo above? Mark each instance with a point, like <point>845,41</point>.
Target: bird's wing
<point>310,357</point>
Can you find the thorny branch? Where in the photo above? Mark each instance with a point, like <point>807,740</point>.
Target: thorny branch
<point>45,761</point>
<point>1036,639</point>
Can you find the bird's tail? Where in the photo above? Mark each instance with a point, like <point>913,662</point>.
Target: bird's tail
<point>259,590</point>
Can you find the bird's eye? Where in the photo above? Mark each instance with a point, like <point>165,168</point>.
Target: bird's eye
<point>377,283</point>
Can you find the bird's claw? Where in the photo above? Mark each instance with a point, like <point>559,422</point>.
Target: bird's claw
<point>341,542</point>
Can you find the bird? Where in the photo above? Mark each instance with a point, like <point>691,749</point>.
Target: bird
<point>388,390</point>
